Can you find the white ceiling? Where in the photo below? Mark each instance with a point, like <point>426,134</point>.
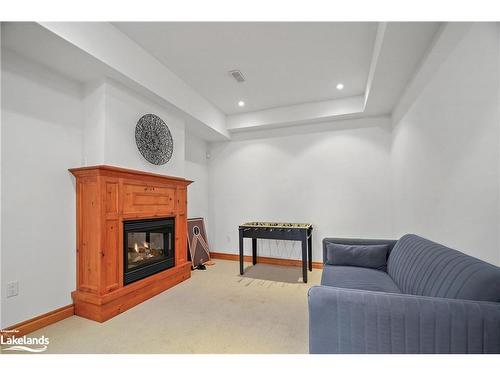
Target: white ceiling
<point>31,40</point>
<point>291,68</point>
<point>283,63</point>
<point>404,46</point>
<point>36,43</point>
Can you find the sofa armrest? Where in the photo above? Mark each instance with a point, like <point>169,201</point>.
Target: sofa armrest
<point>356,321</point>
<point>356,241</point>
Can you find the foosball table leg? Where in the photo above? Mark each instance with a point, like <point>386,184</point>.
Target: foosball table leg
<point>309,252</point>
<point>241,252</point>
<point>254,251</point>
<point>304,260</point>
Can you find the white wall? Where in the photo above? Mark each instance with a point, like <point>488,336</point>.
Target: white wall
<point>123,108</point>
<point>445,153</point>
<point>1,241</point>
<point>94,125</point>
<point>441,161</point>
<point>42,132</point>
<point>441,180</point>
<point>105,42</point>
<point>196,169</point>
<point>49,124</point>
<point>337,180</point>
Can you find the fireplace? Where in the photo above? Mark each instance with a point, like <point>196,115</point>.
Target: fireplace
<point>148,248</point>
<point>110,203</point>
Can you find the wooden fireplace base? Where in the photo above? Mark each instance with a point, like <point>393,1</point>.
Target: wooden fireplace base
<point>102,308</point>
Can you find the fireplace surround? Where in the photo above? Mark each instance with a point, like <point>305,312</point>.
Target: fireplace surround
<point>111,203</point>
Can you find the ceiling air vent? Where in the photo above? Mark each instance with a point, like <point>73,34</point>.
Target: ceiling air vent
<point>237,75</point>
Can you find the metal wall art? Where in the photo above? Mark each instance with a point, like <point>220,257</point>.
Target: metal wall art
<point>153,139</point>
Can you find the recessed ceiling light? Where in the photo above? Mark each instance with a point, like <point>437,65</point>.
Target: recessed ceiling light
<point>241,103</point>
<point>340,86</point>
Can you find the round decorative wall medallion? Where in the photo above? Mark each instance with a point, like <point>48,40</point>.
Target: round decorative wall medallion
<point>153,139</point>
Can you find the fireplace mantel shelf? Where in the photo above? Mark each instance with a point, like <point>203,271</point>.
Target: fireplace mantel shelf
<point>109,169</point>
<point>106,197</point>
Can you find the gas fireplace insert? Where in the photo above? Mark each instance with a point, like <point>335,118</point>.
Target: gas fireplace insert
<point>148,247</point>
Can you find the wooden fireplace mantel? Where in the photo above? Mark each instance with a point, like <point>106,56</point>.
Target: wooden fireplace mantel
<point>106,197</point>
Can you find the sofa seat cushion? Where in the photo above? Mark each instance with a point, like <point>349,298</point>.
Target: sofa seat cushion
<point>358,278</point>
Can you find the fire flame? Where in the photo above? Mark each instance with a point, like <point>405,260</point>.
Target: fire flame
<point>146,245</point>
<point>136,248</point>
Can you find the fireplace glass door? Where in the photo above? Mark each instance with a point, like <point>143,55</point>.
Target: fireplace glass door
<point>149,247</point>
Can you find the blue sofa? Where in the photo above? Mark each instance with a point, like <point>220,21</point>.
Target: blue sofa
<point>429,299</point>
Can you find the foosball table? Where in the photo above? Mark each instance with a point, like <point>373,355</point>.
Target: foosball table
<point>278,231</point>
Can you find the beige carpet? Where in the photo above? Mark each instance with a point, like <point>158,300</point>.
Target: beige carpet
<point>216,311</point>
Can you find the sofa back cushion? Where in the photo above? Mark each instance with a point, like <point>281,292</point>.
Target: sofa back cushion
<point>422,267</point>
<point>355,241</point>
<point>367,256</point>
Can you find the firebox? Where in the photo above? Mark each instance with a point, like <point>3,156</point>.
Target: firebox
<point>148,247</point>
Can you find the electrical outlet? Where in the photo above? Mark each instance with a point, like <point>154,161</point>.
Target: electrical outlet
<point>12,289</point>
